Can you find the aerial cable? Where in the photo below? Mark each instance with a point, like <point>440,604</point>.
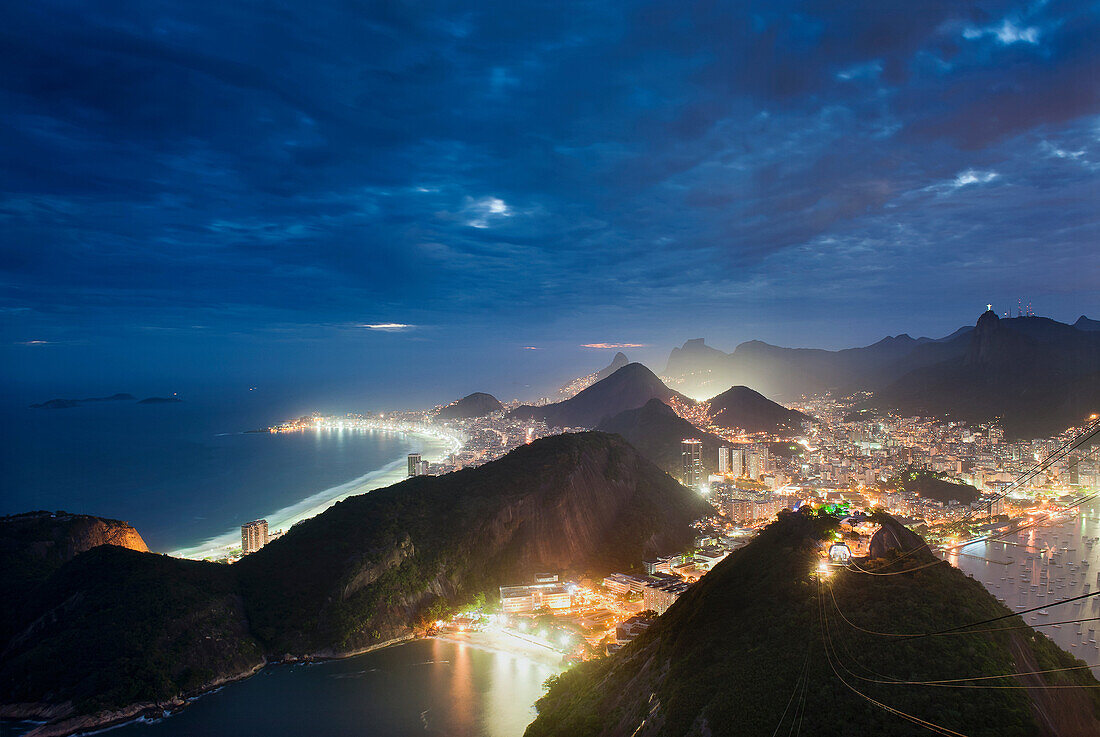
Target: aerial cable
<point>931,726</point>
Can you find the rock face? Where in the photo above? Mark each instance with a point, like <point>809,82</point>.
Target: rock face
<point>740,407</point>
<point>59,536</point>
<point>617,363</point>
<point>115,627</point>
<point>762,643</point>
<point>1037,375</point>
<point>893,536</point>
<point>477,404</point>
<point>628,388</point>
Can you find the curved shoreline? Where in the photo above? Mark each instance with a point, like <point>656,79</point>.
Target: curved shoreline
<point>104,721</point>
<point>393,472</point>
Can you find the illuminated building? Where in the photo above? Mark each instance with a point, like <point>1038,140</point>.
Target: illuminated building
<point>692,455</point>
<point>623,585</point>
<point>253,536</point>
<point>659,595</point>
<point>417,466</point>
<point>521,599</point>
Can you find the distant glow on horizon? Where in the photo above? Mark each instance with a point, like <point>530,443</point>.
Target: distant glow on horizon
<point>613,345</point>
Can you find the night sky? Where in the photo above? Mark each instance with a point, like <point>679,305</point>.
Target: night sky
<point>434,198</point>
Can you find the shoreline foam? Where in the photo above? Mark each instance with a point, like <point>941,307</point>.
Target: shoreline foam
<point>313,505</point>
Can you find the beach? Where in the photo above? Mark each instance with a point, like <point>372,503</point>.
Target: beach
<point>433,448</point>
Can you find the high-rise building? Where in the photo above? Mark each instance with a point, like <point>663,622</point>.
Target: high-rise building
<point>737,462</point>
<point>723,460</point>
<point>253,536</point>
<point>691,451</point>
<point>414,464</point>
<point>755,467</point>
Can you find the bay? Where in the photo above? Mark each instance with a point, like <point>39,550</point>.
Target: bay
<point>183,473</point>
<point>428,687</point>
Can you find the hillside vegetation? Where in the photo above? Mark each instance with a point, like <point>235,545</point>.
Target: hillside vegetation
<point>760,632</point>
<point>115,627</point>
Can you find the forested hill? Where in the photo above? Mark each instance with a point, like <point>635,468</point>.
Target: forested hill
<point>114,631</point>
<point>759,646</point>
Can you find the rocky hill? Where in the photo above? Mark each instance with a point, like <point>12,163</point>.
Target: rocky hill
<point>628,388</point>
<point>371,566</point>
<point>617,363</point>
<point>656,431</point>
<point>762,644</point>
<point>789,373</point>
<point>115,630</point>
<point>740,407</point>
<point>1037,375</point>
<point>477,404</point>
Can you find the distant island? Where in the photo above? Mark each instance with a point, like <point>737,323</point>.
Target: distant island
<point>160,400</point>
<point>68,403</point>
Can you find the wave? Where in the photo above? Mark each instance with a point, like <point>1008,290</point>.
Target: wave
<point>311,506</point>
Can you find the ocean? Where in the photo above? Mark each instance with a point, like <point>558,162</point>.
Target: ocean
<point>186,474</point>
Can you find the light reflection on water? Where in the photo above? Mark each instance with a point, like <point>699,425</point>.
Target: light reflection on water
<point>1065,575</point>
<point>428,687</point>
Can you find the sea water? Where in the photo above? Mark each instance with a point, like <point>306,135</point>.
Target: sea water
<point>184,473</point>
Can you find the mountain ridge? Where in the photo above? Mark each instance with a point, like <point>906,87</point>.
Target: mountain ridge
<point>629,387</point>
<point>114,630</point>
<point>727,655</point>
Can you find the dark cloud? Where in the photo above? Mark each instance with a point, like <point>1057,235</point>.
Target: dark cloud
<point>551,164</point>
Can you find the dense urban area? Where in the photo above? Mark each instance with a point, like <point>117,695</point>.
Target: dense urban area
<point>949,481</point>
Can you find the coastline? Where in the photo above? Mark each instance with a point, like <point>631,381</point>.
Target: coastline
<point>434,449</point>
<point>494,641</point>
<point>500,641</point>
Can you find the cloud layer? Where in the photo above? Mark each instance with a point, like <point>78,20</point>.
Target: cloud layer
<point>559,169</point>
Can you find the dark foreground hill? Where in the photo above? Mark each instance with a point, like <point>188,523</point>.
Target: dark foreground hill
<point>740,407</point>
<point>760,647</point>
<point>656,431</point>
<point>477,404</point>
<point>114,632</point>
<point>628,388</point>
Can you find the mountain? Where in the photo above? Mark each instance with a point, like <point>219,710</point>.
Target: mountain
<point>35,544</point>
<point>742,408</point>
<point>1084,323</point>
<point>580,384</point>
<point>115,630</point>
<point>477,404</point>
<point>759,645</point>
<point>617,363</point>
<point>627,388</point>
<point>1036,375</point>
<point>793,372</point>
<point>656,431</point>
<point>697,367</point>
